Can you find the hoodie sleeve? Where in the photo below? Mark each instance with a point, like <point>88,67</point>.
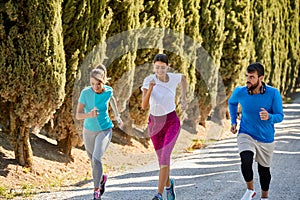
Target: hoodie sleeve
<point>277,112</point>
<point>233,105</point>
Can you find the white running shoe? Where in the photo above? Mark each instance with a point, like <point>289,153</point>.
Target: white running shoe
<point>249,194</point>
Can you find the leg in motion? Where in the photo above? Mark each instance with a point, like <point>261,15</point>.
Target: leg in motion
<point>265,179</point>
<point>247,171</point>
<point>102,141</point>
<point>163,178</point>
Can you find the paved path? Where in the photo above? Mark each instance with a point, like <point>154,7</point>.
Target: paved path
<point>212,173</point>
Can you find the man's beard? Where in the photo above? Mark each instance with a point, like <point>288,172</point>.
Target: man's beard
<point>253,87</point>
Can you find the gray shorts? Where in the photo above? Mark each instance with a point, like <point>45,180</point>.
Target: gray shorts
<point>263,152</point>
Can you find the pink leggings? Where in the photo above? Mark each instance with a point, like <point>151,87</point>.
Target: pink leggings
<point>164,131</point>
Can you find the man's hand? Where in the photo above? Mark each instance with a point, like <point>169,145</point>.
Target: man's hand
<point>264,115</point>
<point>233,129</point>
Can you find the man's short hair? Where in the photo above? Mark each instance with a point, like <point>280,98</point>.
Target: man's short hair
<point>256,67</point>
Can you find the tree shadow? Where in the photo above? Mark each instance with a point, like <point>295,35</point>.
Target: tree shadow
<point>4,162</point>
<point>4,159</point>
<point>40,148</point>
<point>47,150</point>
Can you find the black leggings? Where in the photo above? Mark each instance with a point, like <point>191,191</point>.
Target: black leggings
<point>247,171</point>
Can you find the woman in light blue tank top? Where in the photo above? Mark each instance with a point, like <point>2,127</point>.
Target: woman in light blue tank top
<point>97,127</point>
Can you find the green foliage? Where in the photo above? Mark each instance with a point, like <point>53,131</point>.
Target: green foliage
<point>274,25</point>
<point>120,60</point>
<point>212,25</point>
<point>293,43</point>
<point>192,31</point>
<point>238,47</point>
<point>48,47</point>
<point>33,68</point>
<point>262,25</point>
<point>85,24</point>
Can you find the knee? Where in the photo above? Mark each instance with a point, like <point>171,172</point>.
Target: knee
<point>246,157</point>
<point>96,162</point>
<point>165,160</point>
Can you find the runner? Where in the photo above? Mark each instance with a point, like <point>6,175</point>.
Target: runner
<point>97,128</point>
<point>261,109</point>
<point>159,90</point>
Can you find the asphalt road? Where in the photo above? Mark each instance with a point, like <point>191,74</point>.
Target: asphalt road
<point>212,173</point>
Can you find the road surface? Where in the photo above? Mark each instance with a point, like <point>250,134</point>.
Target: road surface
<point>212,173</point>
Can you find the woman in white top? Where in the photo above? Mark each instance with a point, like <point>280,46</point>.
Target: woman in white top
<point>159,91</point>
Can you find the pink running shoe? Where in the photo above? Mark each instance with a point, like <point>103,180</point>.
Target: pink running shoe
<point>102,184</point>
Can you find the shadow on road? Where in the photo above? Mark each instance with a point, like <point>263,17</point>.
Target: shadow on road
<point>214,172</point>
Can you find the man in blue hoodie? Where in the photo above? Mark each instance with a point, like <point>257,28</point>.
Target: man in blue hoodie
<point>261,107</point>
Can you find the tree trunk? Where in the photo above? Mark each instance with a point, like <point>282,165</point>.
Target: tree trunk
<point>20,140</point>
<point>65,146</point>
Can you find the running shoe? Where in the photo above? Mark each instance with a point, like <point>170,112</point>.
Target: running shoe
<point>97,195</point>
<point>249,194</point>
<point>157,197</point>
<point>171,190</point>
<point>102,184</point>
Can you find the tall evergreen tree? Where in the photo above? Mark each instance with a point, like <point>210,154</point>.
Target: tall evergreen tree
<point>212,25</point>
<point>32,68</point>
<point>174,41</point>
<point>120,60</point>
<point>279,51</point>
<point>85,24</point>
<point>154,17</point>
<point>262,26</point>
<point>293,73</point>
<point>238,47</point>
<point>192,30</point>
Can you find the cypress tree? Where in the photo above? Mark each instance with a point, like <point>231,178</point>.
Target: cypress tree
<point>32,69</point>
<point>173,42</point>
<point>238,47</point>
<point>273,30</point>
<point>279,40</point>
<point>85,24</point>
<point>293,73</point>
<point>153,18</point>
<point>288,52</point>
<point>212,25</point>
<point>121,62</point>
<point>262,26</point>
<point>192,30</point>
